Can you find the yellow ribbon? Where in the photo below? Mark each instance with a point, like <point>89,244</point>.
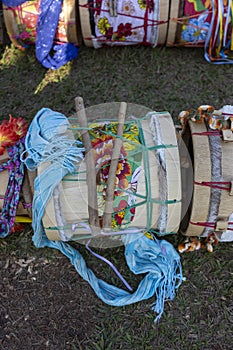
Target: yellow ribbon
<point>23,219</point>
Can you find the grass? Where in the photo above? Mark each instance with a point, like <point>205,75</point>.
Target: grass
<point>170,79</point>
<point>49,306</point>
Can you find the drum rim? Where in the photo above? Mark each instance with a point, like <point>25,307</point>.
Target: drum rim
<point>202,172</point>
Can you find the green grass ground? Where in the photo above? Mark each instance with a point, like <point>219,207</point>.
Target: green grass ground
<point>44,303</point>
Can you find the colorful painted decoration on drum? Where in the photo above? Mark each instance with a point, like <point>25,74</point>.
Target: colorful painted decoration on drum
<point>195,31</point>
<point>41,22</point>
<point>130,22</point>
<point>198,15</point>
<point>128,169</point>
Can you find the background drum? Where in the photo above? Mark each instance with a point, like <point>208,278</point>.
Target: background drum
<point>212,203</point>
<point>21,23</point>
<point>127,22</point>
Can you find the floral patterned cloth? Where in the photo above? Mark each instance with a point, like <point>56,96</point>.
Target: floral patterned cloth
<point>128,169</point>
<point>195,29</point>
<point>135,23</point>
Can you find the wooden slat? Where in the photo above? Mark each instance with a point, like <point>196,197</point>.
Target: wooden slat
<point>85,23</point>
<point>173,172</point>
<point>140,218</point>
<point>72,27</point>
<point>226,202</point>
<point>202,172</point>
<point>175,6</point>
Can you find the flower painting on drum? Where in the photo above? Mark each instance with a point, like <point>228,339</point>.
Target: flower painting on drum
<point>195,29</point>
<point>127,173</point>
<point>133,22</point>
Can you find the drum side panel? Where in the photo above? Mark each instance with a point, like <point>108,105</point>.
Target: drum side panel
<point>140,218</point>
<point>74,201</point>
<point>49,218</point>
<point>11,25</point>
<point>226,204</point>
<point>85,23</point>
<point>175,6</point>
<point>69,8</point>
<point>202,172</point>
<point>172,159</point>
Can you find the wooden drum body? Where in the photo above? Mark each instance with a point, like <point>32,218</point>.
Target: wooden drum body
<point>147,193</point>
<point>168,28</point>
<point>212,203</point>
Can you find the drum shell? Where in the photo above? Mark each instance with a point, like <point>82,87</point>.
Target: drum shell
<point>205,206</point>
<point>73,196</point>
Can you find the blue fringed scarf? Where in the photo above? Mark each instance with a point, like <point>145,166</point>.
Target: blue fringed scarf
<point>157,259</point>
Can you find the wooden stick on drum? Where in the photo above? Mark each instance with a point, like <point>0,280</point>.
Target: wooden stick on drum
<point>115,8</point>
<point>107,217</point>
<point>111,6</point>
<point>90,165</point>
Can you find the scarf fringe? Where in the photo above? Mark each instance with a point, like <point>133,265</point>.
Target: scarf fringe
<point>157,258</point>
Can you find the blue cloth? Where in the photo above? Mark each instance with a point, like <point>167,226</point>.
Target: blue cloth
<point>13,3</point>
<point>45,32</point>
<point>158,259</point>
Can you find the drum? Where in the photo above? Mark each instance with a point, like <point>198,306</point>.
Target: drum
<point>21,23</point>
<point>211,150</point>
<point>147,186</point>
<point>169,22</point>
<point>194,22</point>
<point>127,22</point>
